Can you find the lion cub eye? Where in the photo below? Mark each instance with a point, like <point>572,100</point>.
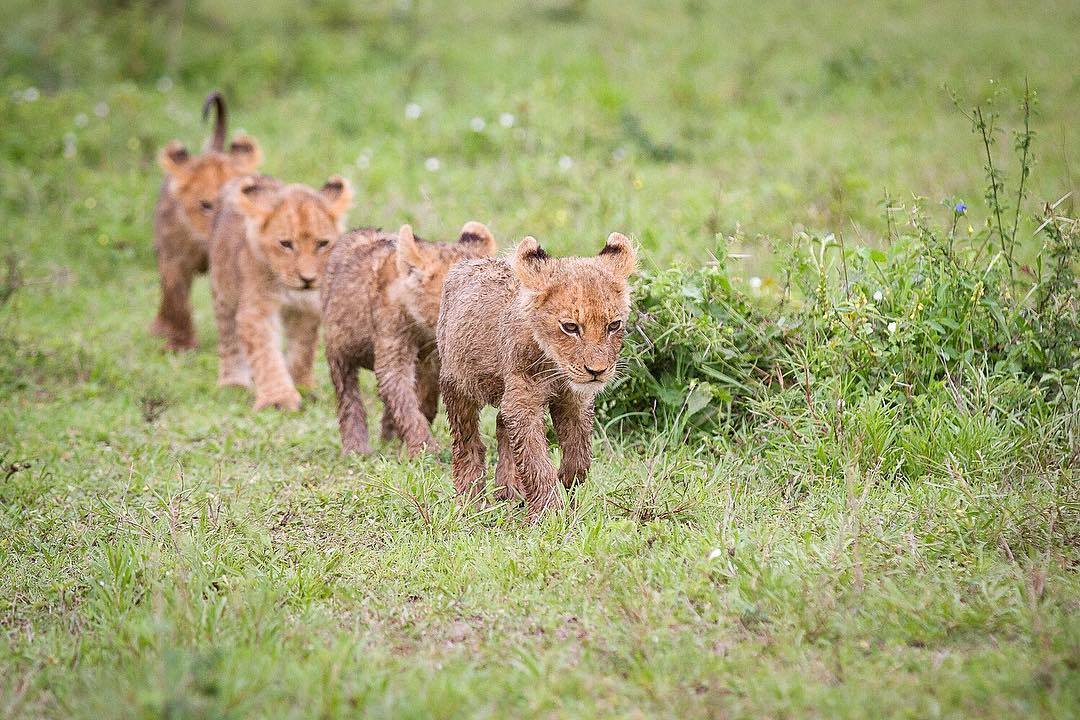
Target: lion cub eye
<point>570,328</point>
<point>206,205</point>
<point>320,244</point>
<point>614,326</point>
<point>287,244</point>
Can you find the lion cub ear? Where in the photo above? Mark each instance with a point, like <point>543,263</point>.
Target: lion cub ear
<point>337,192</point>
<point>618,255</point>
<point>252,197</point>
<point>174,158</point>
<point>477,237</point>
<point>409,255</point>
<point>532,266</point>
<point>245,153</point>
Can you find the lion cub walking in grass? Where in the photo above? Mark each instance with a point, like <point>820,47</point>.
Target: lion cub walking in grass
<point>530,334</point>
<point>380,308</point>
<point>182,219</point>
<point>268,251</point>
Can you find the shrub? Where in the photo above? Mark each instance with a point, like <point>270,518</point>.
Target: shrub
<point>872,352</point>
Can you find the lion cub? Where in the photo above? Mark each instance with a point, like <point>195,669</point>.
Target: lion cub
<point>185,209</point>
<point>380,308</point>
<point>268,251</point>
<point>530,334</point>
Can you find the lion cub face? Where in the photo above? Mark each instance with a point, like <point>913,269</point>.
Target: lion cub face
<point>293,228</point>
<point>422,267</point>
<point>577,307</point>
<point>195,181</point>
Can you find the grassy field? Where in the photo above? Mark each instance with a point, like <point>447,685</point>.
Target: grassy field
<point>166,552</point>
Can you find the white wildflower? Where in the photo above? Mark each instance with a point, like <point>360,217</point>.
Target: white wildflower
<point>432,164</point>
<point>31,94</point>
<point>413,111</point>
<point>506,120</point>
<point>81,120</point>
<point>755,282</point>
<point>892,327</point>
<point>101,109</point>
<point>477,124</point>
<point>878,295</point>
<point>714,553</point>
<point>566,162</point>
<point>164,84</point>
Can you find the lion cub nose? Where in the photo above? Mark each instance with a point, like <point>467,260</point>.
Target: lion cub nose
<point>308,280</point>
<point>595,373</point>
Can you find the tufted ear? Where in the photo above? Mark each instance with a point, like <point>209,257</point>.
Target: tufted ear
<point>618,255</point>
<point>477,237</point>
<point>252,197</point>
<point>409,255</point>
<point>338,194</point>
<point>245,153</point>
<point>532,266</point>
<point>174,158</point>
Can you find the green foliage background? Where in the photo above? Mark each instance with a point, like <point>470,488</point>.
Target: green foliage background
<point>808,500</point>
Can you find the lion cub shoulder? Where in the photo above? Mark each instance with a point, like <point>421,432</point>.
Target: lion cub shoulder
<point>269,246</point>
<point>380,308</point>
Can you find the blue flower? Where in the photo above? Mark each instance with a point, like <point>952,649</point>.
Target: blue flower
<point>960,208</point>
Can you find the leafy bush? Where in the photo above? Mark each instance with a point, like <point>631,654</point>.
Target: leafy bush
<point>871,353</point>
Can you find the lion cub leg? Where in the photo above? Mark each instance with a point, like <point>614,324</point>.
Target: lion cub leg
<point>302,335</point>
<point>572,419</point>
<point>352,418</point>
<point>395,371</point>
<point>427,386</point>
<point>507,486</point>
<point>387,429</point>
<point>173,321</point>
<point>427,390</point>
<point>525,427</point>
<point>233,367</point>
<point>259,325</point>
<point>467,453</point>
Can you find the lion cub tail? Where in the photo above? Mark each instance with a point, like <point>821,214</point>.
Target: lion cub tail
<point>217,101</point>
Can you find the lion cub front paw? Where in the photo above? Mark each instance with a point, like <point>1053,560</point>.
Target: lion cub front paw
<point>282,400</point>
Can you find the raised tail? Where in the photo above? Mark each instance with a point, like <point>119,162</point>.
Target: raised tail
<point>217,101</point>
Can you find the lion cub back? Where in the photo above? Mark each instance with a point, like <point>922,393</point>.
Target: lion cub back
<point>380,283</point>
<point>473,332</point>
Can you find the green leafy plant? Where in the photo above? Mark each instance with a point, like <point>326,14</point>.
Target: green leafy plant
<point>871,350</point>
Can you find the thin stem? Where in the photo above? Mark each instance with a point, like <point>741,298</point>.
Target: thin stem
<point>987,142</point>
<point>1025,146</point>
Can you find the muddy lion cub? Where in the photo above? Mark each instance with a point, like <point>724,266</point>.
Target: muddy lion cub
<point>530,334</point>
<point>268,251</point>
<point>380,308</point>
<point>184,213</point>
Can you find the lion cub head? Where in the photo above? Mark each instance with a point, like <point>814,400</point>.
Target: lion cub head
<point>294,227</point>
<point>577,307</point>
<point>196,180</point>
<point>422,267</point>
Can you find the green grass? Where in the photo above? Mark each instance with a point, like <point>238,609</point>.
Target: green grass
<point>166,552</point>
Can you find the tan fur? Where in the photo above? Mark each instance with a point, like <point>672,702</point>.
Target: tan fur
<point>380,308</point>
<point>528,334</point>
<point>259,285</point>
<point>187,203</point>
